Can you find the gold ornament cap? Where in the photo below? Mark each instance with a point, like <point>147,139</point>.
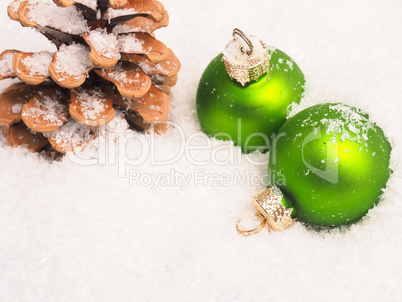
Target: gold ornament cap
<point>275,215</point>
<point>246,58</point>
<point>269,203</point>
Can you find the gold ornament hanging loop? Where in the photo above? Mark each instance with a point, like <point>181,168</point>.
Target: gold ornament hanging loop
<point>242,35</point>
<point>254,231</point>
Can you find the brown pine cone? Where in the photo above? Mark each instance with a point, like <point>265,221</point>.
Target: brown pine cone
<point>108,65</point>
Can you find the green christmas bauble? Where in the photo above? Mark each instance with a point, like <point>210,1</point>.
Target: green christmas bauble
<point>331,163</point>
<point>248,115</point>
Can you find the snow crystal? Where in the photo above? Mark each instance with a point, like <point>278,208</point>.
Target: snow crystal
<point>352,119</point>
<point>104,43</point>
<point>93,102</point>
<point>68,19</point>
<point>16,108</point>
<point>122,28</point>
<point>154,107</point>
<point>93,4</point>
<point>364,135</point>
<point>153,68</point>
<point>6,64</point>
<point>126,101</point>
<point>98,14</point>
<point>352,125</point>
<point>146,67</point>
<point>353,129</point>
<point>129,43</point>
<point>112,13</point>
<point>38,63</point>
<point>157,78</point>
<point>73,60</point>
<point>93,109</point>
<point>49,107</point>
<point>118,74</point>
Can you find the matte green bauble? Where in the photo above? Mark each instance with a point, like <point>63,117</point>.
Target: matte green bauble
<point>248,115</point>
<point>331,163</point>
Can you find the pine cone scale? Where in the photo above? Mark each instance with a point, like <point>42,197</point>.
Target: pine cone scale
<point>12,101</point>
<point>153,107</point>
<point>92,109</point>
<point>29,72</point>
<point>129,79</point>
<point>6,64</point>
<point>46,111</point>
<point>20,135</point>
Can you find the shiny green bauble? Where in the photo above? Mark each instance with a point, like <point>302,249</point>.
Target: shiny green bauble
<point>331,163</point>
<point>248,115</point>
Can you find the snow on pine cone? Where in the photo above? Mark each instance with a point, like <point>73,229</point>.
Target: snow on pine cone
<point>108,66</point>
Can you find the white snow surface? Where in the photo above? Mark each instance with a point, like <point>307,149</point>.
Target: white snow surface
<point>81,232</point>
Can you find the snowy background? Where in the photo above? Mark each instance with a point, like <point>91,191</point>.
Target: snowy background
<point>90,233</point>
